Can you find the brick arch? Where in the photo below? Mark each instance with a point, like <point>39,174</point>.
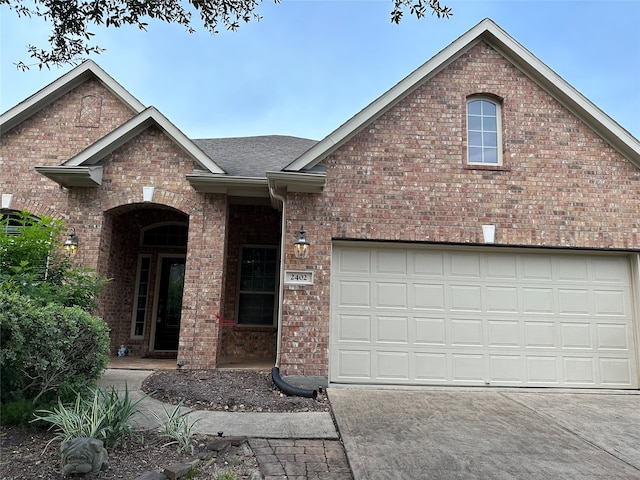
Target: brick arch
<point>160,197</point>
<point>36,208</point>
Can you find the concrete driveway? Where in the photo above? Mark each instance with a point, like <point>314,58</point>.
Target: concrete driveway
<point>489,434</point>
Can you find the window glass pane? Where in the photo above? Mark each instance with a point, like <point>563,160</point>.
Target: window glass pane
<point>474,122</point>
<point>489,140</point>
<point>488,108</point>
<point>475,139</point>
<point>475,155</point>
<point>489,124</point>
<point>255,309</point>
<point>491,155</point>
<point>475,107</point>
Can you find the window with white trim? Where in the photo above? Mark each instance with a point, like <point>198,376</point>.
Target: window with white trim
<point>484,138</point>
<point>257,289</point>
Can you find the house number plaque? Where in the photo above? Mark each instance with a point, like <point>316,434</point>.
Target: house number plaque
<point>298,277</point>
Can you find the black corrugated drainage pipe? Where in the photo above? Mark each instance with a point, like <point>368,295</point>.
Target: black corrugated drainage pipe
<point>290,389</point>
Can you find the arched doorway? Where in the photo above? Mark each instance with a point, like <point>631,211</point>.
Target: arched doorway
<point>144,251</point>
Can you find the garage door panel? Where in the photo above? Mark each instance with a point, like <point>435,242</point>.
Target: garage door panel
<point>541,334</point>
<point>505,369</point>
<point>392,329</point>
<point>393,365</point>
<point>503,333</point>
<point>579,371</point>
<point>424,316</point>
<point>611,302</point>
<point>574,301</point>
<point>464,265</point>
<point>428,264</point>
<point>430,331</point>
<point>355,328</point>
<point>613,336</point>
<point>537,300</point>
<point>431,367</point>
<point>354,364</point>
<point>391,295</point>
<point>576,335</point>
<point>354,294</point>
<point>391,262</point>
<point>468,368</point>
<point>615,372</point>
<point>428,297</point>
<point>542,370</point>
<point>465,298</point>
<point>466,332</point>
<point>502,299</point>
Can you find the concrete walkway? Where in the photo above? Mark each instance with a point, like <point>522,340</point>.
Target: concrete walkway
<point>489,434</point>
<point>293,446</point>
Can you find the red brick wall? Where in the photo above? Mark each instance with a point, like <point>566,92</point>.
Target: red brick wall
<point>248,225</point>
<point>403,178</point>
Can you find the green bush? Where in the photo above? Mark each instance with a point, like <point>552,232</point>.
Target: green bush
<point>49,351</point>
<point>17,412</point>
<point>32,264</point>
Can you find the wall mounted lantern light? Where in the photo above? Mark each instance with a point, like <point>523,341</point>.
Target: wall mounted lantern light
<point>301,247</point>
<point>71,243</point>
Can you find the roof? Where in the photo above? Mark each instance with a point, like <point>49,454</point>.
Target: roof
<point>489,32</point>
<point>253,156</point>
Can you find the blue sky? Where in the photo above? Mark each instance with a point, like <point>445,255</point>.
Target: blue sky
<point>310,65</point>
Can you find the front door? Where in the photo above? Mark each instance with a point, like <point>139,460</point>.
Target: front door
<point>169,303</point>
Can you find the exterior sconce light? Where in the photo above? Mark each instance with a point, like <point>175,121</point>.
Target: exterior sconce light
<point>71,243</point>
<point>301,247</point>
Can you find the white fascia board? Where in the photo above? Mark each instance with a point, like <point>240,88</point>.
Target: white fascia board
<point>73,176</point>
<point>205,182</point>
<point>134,127</point>
<point>72,79</point>
<point>296,182</point>
<point>488,31</point>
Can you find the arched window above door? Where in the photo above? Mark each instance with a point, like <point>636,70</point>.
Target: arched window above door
<point>165,235</point>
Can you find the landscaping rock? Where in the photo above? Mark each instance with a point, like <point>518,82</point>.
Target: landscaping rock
<point>152,476</point>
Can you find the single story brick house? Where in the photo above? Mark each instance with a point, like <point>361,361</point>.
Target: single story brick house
<point>478,224</point>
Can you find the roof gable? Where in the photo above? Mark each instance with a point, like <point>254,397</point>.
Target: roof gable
<point>62,86</point>
<point>519,56</point>
<point>83,169</point>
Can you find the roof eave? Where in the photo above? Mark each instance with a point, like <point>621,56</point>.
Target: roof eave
<point>204,182</point>
<point>73,176</point>
<point>63,85</point>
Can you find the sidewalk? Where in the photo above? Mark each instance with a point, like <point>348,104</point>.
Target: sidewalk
<point>293,446</point>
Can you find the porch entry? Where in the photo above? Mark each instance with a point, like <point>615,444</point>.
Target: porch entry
<point>168,305</point>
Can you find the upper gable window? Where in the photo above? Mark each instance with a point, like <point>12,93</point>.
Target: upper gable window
<point>483,132</point>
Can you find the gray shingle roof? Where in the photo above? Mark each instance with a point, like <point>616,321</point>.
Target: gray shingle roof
<point>253,156</point>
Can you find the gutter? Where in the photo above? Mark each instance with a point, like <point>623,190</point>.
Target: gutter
<point>283,229</point>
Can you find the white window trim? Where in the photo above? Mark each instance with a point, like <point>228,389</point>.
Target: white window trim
<point>498,105</point>
<point>275,291</point>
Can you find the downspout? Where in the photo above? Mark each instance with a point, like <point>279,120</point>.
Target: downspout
<point>275,371</point>
<point>283,230</point>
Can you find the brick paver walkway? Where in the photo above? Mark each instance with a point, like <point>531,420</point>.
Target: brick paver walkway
<point>301,459</point>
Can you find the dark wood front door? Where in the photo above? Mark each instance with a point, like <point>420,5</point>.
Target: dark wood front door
<point>169,303</point>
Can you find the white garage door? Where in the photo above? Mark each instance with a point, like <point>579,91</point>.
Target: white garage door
<point>418,316</point>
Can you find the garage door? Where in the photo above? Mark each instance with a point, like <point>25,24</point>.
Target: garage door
<point>418,316</point>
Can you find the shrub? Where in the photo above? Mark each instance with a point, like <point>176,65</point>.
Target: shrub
<point>178,429</point>
<point>32,264</point>
<point>49,351</point>
<point>103,415</point>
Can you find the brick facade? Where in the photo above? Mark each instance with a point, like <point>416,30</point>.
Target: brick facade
<point>402,178</point>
